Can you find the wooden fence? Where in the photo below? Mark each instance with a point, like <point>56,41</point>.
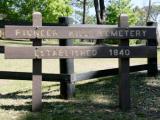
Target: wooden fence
<point>66,52</point>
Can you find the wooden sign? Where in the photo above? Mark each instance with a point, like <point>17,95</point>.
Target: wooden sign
<point>79,32</point>
<point>79,52</point>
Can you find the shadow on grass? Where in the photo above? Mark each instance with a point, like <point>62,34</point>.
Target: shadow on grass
<point>18,94</point>
<point>97,100</point>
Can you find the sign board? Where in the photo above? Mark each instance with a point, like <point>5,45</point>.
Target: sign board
<point>72,32</point>
<point>79,52</point>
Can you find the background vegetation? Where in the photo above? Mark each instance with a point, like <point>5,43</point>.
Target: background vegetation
<point>16,10</point>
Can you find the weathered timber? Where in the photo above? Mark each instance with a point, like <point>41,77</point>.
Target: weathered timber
<point>67,89</point>
<point>152,62</point>
<point>105,73</point>
<point>64,77</point>
<point>2,30</point>
<point>40,52</point>
<point>72,32</point>
<point>124,86</point>
<point>28,76</point>
<point>1,49</point>
<point>37,69</point>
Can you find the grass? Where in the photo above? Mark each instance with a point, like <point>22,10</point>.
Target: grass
<point>96,99</point>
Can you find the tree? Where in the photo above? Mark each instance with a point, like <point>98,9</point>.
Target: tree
<point>100,11</point>
<point>154,12</point>
<point>117,7</point>
<point>100,14</point>
<point>81,9</point>
<point>148,11</point>
<point>145,16</point>
<point>22,9</point>
<point>84,11</point>
<point>141,16</point>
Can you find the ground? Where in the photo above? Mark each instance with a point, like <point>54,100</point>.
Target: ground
<point>96,99</point>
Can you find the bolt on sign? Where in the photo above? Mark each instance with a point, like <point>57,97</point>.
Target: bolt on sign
<point>71,32</point>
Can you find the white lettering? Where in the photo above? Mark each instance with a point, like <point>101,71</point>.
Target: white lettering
<point>36,54</point>
<point>144,33</point>
<point>42,33</point>
<point>29,33</point>
<point>114,33</point>
<point>126,32</point>
<point>60,53</point>
<point>48,52</point>
<point>42,53</point>
<point>94,52</point>
<point>132,33</point>
<point>18,32</point>
<point>49,32</point>
<point>138,33</point>
<point>120,33</point>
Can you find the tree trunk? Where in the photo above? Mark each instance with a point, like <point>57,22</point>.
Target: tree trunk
<point>148,12</point>
<point>100,15</point>
<point>84,15</point>
<point>102,11</point>
<point>97,10</point>
<point>84,12</point>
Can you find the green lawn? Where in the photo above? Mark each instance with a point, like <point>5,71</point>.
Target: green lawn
<point>96,99</point>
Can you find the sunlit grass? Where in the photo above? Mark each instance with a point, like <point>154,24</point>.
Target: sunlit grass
<point>95,100</point>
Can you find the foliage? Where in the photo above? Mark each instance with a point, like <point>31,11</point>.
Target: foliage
<point>141,16</point>
<point>153,16</point>
<point>154,13</point>
<point>117,7</point>
<point>78,5</point>
<point>22,9</point>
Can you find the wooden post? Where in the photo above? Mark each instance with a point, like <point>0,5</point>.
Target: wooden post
<point>152,62</point>
<point>37,69</point>
<point>124,87</point>
<point>67,90</point>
